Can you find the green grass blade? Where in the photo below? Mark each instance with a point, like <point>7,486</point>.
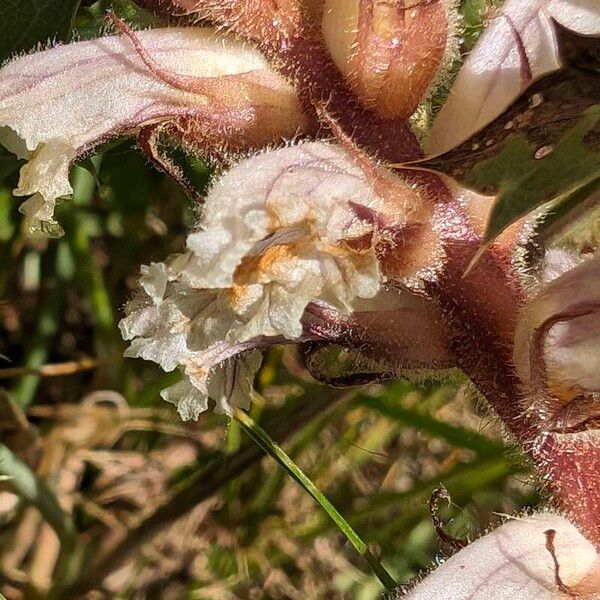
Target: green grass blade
<point>47,326</point>
<point>90,276</point>
<point>461,437</point>
<point>262,439</point>
<point>30,488</point>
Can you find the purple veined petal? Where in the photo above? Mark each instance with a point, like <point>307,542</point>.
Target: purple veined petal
<point>557,339</point>
<point>518,47</point>
<point>513,562</point>
<point>58,104</point>
<point>292,222</point>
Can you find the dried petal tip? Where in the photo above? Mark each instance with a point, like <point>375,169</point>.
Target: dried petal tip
<point>519,561</point>
<point>57,105</point>
<point>278,231</point>
<point>390,52</point>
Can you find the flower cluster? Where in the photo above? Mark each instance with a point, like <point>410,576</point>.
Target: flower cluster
<point>318,240</point>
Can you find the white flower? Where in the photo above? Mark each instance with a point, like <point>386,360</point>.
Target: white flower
<point>57,105</point>
<point>513,562</point>
<point>557,338</point>
<point>278,231</point>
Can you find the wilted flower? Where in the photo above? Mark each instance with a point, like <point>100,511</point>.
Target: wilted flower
<point>312,225</point>
<point>293,235</point>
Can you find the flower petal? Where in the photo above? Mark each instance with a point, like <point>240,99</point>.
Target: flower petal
<point>288,229</point>
<point>519,46</point>
<point>513,562</point>
<point>65,101</point>
<point>557,339</point>
<point>279,231</point>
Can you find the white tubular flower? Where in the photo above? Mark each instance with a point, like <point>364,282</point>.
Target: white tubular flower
<point>278,231</point>
<point>543,557</point>
<point>57,105</point>
<point>557,340</point>
<point>518,47</point>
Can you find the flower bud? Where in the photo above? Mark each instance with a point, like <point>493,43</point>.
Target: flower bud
<point>389,50</point>
<point>557,340</point>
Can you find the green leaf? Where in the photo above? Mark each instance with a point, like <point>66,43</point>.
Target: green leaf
<point>526,182</point>
<point>475,14</point>
<point>7,227</point>
<point>461,437</point>
<point>25,23</point>
<point>91,20</point>
<point>48,324</point>
<point>544,148</point>
<point>570,216</point>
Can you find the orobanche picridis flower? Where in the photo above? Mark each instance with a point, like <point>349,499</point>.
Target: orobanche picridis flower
<point>538,557</point>
<point>557,341</point>
<point>391,51</point>
<point>56,106</point>
<point>300,230</point>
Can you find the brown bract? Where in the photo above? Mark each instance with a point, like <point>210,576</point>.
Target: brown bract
<point>390,52</point>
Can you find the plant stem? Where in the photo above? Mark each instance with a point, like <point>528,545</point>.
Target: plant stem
<point>262,438</point>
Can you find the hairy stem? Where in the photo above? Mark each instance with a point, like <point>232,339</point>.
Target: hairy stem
<point>480,310</point>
